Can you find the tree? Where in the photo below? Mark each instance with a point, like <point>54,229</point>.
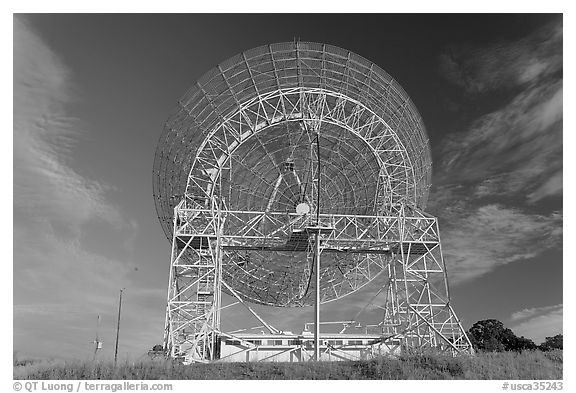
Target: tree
<point>520,344</point>
<point>554,342</point>
<point>491,335</point>
<point>487,335</point>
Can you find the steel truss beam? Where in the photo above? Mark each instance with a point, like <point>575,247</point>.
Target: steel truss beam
<point>313,106</point>
<point>416,306</point>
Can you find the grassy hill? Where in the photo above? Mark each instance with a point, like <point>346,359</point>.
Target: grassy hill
<point>503,365</point>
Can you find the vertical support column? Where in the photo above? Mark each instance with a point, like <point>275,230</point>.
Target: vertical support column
<point>217,299</point>
<point>317,302</point>
<point>168,337</point>
<point>194,300</point>
<point>420,284</point>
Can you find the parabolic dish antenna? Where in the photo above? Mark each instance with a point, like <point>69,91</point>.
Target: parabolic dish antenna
<point>246,133</point>
<point>279,155</point>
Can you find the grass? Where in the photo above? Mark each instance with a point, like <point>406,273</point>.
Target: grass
<point>499,365</point>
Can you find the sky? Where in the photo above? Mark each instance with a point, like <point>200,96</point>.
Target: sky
<point>91,95</point>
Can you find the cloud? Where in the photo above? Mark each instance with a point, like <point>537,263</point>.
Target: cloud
<point>552,186</point>
<point>516,149</point>
<point>538,323</point>
<point>52,269</point>
<point>476,241</point>
<point>492,174</point>
<point>45,185</point>
<point>513,151</point>
<point>505,64</point>
<point>59,286</point>
<point>531,312</point>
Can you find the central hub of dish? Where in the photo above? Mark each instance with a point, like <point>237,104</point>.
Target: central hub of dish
<point>302,208</point>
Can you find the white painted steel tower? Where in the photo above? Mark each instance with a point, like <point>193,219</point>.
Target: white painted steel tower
<point>291,175</point>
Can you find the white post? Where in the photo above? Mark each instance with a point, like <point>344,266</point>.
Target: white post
<point>317,302</point>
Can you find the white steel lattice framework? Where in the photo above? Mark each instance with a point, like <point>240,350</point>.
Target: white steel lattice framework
<point>284,153</point>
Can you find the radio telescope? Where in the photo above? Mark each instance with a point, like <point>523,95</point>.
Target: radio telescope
<point>292,175</point>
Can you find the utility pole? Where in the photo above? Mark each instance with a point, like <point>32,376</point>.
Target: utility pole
<point>118,327</point>
<point>97,342</point>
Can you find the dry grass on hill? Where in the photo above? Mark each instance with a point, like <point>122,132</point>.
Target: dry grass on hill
<point>504,365</point>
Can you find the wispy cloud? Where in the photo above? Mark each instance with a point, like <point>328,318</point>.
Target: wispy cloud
<point>534,311</point>
<point>491,174</point>
<point>52,203</point>
<point>505,64</point>
<point>513,151</point>
<point>477,240</point>
<point>45,185</point>
<point>538,323</point>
